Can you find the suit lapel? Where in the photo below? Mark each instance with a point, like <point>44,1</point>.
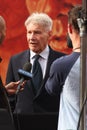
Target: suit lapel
<point>26,57</point>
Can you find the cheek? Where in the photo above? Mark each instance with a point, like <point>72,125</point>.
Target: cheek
<point>43,43</point>
<point>27,37</point>
<point>44,38</point>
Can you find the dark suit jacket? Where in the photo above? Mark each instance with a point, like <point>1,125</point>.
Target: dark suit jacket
<point>26,101</point>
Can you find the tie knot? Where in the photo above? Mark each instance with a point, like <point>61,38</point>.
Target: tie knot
<point>37,57</point>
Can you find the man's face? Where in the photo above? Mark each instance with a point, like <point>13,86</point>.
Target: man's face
<point>37,37</point>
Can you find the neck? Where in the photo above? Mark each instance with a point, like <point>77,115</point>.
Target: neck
<point>77,49</point>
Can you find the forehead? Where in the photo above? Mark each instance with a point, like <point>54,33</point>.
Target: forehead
<point>35,26</point>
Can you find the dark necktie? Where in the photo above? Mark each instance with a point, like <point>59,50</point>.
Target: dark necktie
<point>37,73</point>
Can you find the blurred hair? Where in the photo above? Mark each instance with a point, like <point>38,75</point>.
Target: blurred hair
<point>73,14</point>
<point>41,19</point>
<point>2,23</point>
<point>2,29</point>
<point>69,42</point>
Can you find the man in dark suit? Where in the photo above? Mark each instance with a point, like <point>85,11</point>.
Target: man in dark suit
<point>39,29</point>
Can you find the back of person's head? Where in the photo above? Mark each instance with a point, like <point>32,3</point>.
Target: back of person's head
<point>40,18</point>
<point>2,23</point>
<point>73,15</point>
<point>2,29</point>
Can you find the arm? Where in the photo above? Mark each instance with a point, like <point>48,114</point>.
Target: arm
<point>55,81</point>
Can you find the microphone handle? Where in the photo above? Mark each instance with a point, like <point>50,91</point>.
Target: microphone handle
<point>19,86</point>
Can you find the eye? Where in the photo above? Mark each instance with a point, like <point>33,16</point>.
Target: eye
<point>29,32</point>
<point>37,32</point>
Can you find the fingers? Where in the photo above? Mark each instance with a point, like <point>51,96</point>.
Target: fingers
<point>11,88</point>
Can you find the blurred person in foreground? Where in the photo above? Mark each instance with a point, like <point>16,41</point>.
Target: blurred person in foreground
<point>2,37</point>
<point>3,103</point>
<point>39,31</point>
<point>2,31</point>
<point>65,77</point>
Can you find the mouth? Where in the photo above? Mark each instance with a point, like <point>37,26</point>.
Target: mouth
<point>33,44</point>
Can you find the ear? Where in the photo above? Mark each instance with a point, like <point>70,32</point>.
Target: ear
<point>69,28</point>
<point>50,33</point>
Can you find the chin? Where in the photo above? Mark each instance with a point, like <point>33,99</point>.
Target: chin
<point>34,50</point>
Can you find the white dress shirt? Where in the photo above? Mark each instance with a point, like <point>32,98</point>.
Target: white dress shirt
<point>42,60</point>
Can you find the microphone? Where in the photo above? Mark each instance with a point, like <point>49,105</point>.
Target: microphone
<point>24,74</point>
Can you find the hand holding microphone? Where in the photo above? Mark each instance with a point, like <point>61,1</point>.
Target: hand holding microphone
<point>24,74</point>
<point>12,87</point>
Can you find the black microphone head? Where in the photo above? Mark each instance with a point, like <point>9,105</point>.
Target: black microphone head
<point>25,72</point>
<point>27,66</point>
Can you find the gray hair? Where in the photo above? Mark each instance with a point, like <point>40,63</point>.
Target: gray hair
<point>42,19</point>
